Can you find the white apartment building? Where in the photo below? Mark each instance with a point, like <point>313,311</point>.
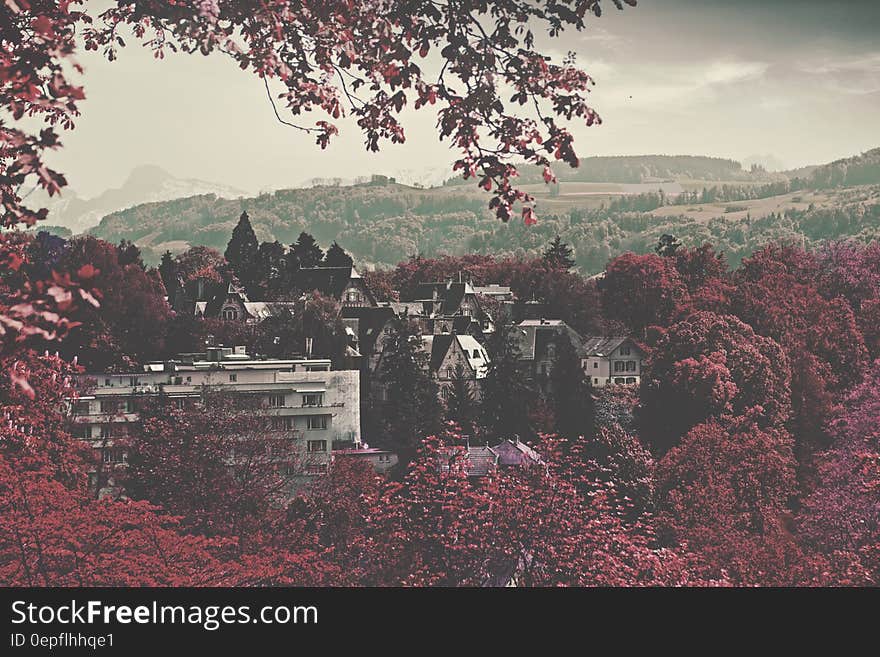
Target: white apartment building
<point>303,396</point>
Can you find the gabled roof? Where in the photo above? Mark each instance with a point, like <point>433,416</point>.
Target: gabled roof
<point>479,460</point>
<point>516,452</point>
<point>601,345</point>
<point>329,281</point>
<point>450,295</point>
<point>438,346</point>
<point>533,336</point>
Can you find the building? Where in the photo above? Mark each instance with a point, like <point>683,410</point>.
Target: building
<point>447,307</point>
<point>515,453</point>
<point>611,360</point>
<point>538,341</point>
<point>344,284</point>
<point>495,292</point>
<point>382,460</point>
<point>233,305</point>
<point>447,351</point>
<point>304,397</point>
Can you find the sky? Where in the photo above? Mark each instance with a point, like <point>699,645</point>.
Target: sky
<point>796,80</point>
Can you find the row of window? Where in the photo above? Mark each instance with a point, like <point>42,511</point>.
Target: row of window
<point>308,399</point>
<point>622,380</point>
<point>624,366</point>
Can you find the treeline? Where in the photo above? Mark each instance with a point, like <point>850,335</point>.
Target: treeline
<point>639,168</point>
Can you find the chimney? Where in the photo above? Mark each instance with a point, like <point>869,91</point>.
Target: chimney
<point>309,342</point>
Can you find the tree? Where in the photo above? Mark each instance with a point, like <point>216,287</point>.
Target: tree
<point>643,290</point>
<point>218,464</point>
<point>505,401</point>
<point>570,392</point>
<point>306,252</point>
<point>842,514</point>
<point>667,246</point>
<point>725,490</point>
<point>241,253</point>
<point>712,366</point>
<point>461,406</point>
<point>412,410</point>
<point>272,278</point>
<point>337,257</point>
<point>378,53</point>
<point>168,272</point>
<point>559,255</point>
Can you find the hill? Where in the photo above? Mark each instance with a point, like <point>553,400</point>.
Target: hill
<point>382,222</point>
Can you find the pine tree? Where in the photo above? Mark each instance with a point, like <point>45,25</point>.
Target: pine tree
<point>461,406</point>
<point>241,253</point>
<point>337,257</point>
<point>570,394</point>
<point>168,272</point>
<point>270,270</point>
<point>505,398</point>
<point>412,411</point>
<point>306,251</point>
<point>559,255</point>
<point>667,245</point>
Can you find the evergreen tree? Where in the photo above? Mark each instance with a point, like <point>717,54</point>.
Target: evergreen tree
<point>306,251</point>
<point>168,272</point>
<point>667,245</point>
<point>571,396</point>
<point>337,257</point>
<point>412,410</point>
<point>505,398</point>
<point>559,255</point>
<point>241,253</point>
<point>270,270</point>
<point>461,405</point>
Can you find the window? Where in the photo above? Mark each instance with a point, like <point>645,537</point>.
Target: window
<point>313,399</point>
<point>624,351</point>
<point>133,381</point>
<point>276,401</point>
<point>384,458</point>
<point>230,313</point>
<point>112,455</point>
<point>543,369</point>
<point>106,431</point>
<point>317,422</point>
<point>620,379</point>
<point>595,364</point>
<point>630,366</point>
<point>596,381</point>
<point>179,403</point>
<point>449,372</point>
<point>233,378</point>
<point>630,379</point>
<point>316,445</point>
<point>619,366</point>
<point>107,382</point>
<point>316,468</point>
<point>282,423</point>
<point>109,406</point>
<point>81,408</point>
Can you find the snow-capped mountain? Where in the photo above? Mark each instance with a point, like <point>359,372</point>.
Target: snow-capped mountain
<point>144,184</point>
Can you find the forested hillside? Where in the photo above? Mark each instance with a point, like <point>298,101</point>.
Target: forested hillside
<point>383,223</point>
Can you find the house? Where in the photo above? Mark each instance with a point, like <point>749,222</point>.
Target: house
<point>448,307</point>
<point>477,460</point>
<point>382,460</point>
<point>538,341</point>
<point>611,360</point>
<point>344,284</point>
<point>233,305</point>
<point>495,292</point>
<point>304,397</point>
<point>515,453</point>
<point>447,351</point>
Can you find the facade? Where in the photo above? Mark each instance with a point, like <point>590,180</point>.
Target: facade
<point>538,341</point>
<point>448,307</point>
<point>305,398</point>
<point>342,283</point>
<point>612,361</point>
<point>447,351</point>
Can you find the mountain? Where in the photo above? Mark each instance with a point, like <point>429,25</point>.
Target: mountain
<point>144,184</point>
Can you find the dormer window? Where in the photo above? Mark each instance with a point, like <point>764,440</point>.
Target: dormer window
<point>230,313</point>
<point>624,351</point>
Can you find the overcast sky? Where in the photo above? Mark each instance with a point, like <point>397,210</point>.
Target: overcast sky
<point>798,80</point>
